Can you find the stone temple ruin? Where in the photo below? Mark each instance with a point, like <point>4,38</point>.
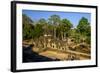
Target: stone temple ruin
<point>72,50</point>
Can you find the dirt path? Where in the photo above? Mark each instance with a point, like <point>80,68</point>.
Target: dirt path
<point>54,54</point>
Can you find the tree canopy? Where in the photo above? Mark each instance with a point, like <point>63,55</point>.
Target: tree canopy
<point>57,27</point>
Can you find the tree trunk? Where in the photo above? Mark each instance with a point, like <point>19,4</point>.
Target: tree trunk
<point>54,33</point>
<point>62,35</point>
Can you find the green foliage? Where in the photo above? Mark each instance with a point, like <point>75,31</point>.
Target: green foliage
<point>38,31</point>
<point>66,25</point>
<point>42,24</point>
<point>42,21</point>
<point>32,31</point>
<point>64,28</point>
<point>84,29</point>
<point>54,20</point>
<point>83,26</point>
<point>55,26</point>
<point>27,27</point>
<point>27,31</point>
<point>26,19</point>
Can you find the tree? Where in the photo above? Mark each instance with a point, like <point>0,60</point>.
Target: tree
<point>42,21</point>
<point>44,25</point>
<point>54,20</point>
<point>26,19</point>
<point>28,27</point>
<point>84,29</point>
<point>65,27</point>
<point>75,35</point>
<point>38,31</point>
<point>83,25</point>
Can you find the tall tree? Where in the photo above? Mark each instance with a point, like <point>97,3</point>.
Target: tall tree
<point>44,25</point>
<point>54,20</point>
<point>84,29</point>
<point>27,27</point>
<point>83,25</point>
<point>66,25</point>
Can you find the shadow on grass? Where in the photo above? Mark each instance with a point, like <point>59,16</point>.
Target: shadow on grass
<point>30,56</point>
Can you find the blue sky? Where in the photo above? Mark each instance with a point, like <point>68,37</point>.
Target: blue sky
<point>74,17</point>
